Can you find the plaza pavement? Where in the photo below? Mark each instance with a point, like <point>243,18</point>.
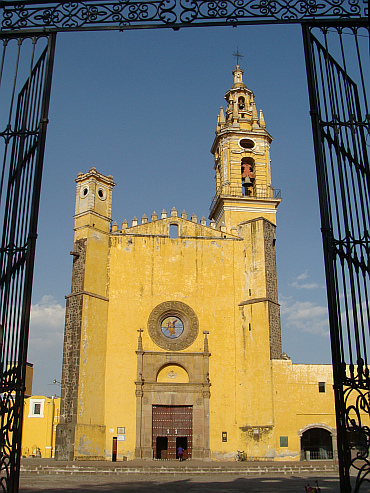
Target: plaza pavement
<point>41,475</point>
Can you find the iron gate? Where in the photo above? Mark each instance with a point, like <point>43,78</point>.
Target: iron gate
<point>340,127</point>
<point>23,142</point>
<point>340,122</point>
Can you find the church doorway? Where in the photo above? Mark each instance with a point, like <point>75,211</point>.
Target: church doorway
<point>161,448</point>
<point>316,443</point>
<point>183,443</point>
<point>172,428</point>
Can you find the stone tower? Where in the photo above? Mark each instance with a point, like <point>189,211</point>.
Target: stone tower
<point>245,200</point>
<point>82,414</point>
<point>241,151</point>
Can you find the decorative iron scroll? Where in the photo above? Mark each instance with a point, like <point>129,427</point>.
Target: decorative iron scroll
<point>341,130</point>
<point>22,142</point>
<point>126,14</point>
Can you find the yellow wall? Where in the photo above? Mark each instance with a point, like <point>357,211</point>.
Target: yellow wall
<point>38,433</point>
<point>211,276</point>
<point>298,402</point>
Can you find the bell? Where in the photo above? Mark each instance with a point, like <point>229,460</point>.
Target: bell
<point>247,182</point>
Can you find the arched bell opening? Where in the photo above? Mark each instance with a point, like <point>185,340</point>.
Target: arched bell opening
<point>248,176</point>
<point>241,103</point>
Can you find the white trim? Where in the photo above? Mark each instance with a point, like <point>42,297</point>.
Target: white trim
<point>31,410</point>
<point>82,189</point>
<point>323,426</point>
<point>247,138</point>
<point>260,210</point>
<point>104,193</point>
<point>250,209</point>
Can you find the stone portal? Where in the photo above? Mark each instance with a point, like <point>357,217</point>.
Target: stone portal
<point>172,403</point>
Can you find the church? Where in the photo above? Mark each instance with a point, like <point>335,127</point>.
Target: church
<point>172,330</point>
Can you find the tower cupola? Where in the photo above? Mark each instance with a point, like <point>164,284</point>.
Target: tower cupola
<point>240,99</point>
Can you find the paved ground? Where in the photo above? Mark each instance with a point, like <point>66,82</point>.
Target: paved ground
<point>174,477</point>
<point>54,483</point>
<point>41,475</point>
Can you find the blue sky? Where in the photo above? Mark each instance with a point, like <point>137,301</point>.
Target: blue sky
<point>142,106</point>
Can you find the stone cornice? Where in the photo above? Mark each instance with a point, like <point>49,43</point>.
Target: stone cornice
<point>87,293</point>
<point>257,300</point>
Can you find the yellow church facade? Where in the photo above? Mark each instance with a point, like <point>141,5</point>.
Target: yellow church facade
<point>172,333</point>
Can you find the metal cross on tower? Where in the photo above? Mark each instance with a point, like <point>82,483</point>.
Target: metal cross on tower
<point>238,55</point>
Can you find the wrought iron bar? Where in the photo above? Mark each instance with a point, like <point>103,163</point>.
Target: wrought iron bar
<point>175,14</point>
<point>340,122</point>
<point>24,143</point>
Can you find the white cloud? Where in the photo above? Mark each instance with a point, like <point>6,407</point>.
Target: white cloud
<point>47,313</point>
<point>302,276</point>
<point>308,285</point>
<point>46,329</point>
<point>305,316</point>
<point>46,345</point>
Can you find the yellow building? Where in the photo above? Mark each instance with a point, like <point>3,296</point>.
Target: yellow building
<point>172,334</point>
<point>40,419</point>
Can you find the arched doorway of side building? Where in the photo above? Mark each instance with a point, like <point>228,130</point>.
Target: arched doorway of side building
<point>317,442</point>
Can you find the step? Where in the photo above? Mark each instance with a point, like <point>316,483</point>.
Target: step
<point>244,468</point>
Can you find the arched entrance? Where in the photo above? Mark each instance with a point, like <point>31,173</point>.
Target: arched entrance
<point>317,443</point>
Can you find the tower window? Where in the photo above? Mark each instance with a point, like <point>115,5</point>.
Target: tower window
<point>247,143</point>
<point>84,191</point>
<point>102,194</point>
<point>241,103</point>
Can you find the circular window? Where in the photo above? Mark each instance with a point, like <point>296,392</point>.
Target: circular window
<point>247,143</point>
<point>84,191</point>
<point>173,325</point>
<point>102,194</point>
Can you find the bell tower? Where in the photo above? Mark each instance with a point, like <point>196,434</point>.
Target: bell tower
<point>241,152</point>
<point>84,355</point>
<point>93,201</point>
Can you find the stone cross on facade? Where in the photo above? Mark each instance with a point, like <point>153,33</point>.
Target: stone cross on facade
<point>205,332</point>
<point>140,340</point>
